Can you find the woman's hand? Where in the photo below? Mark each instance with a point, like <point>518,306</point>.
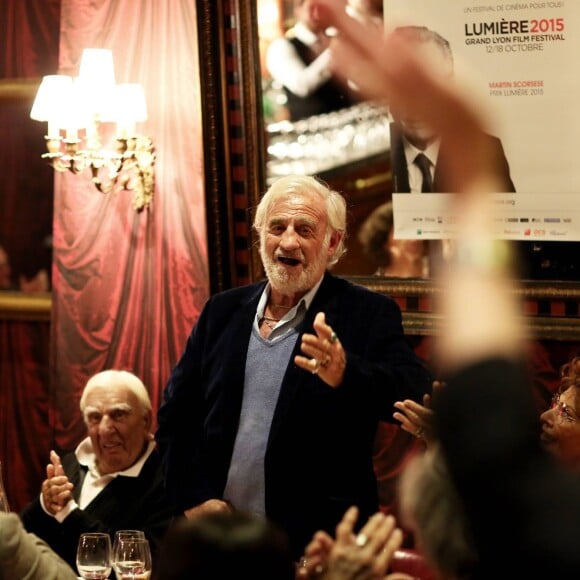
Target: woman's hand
<point>417,419</point>
<point>366,555</point>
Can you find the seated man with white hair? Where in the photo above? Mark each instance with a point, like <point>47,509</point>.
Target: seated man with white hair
<point>112,480</point>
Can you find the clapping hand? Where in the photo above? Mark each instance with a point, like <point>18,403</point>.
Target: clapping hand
<point>417,419</point>
<point>56,488</point>
<point>365,556</point>
<point>328,359</point>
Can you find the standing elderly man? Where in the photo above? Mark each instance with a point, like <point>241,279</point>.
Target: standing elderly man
<point>274,404</point>
<point>112,480</point>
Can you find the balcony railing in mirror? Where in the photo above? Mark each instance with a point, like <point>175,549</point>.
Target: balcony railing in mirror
<point>80,107</point>
<point>322,142</point>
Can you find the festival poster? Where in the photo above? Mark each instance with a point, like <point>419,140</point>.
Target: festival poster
<point>537,216</point>
<point>520,61</point>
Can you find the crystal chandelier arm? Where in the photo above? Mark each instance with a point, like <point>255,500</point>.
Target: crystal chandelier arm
<point>84,104</point>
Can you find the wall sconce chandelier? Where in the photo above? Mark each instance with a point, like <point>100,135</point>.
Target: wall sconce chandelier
<point>81,107</point>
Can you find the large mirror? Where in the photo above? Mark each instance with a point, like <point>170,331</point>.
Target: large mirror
<point>316,125</point>
<point>551,300</point>
<point>25,206</point>
<point>312,125</point>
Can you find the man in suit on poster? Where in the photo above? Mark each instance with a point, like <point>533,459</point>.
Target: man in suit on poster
<point>274,404</point>
<point>419,158</point>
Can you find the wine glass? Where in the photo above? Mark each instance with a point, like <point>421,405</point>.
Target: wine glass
<point>132,558</point>
<point>124,534</point>
<point>94,556</point>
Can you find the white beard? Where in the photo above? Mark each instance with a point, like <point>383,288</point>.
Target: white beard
<point>287,281</point>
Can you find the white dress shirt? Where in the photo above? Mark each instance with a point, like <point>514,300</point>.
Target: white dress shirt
<point>285,65</point>
<point>415,176</point>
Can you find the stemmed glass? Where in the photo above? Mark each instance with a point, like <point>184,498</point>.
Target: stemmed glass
<point>132,558</point>
<point>94,556</point>
<point>126,534</point>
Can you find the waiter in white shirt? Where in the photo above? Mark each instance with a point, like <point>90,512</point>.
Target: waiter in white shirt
<point>300,62</point>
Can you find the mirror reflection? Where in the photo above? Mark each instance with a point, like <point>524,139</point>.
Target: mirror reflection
<point>316,125</point>
<point>26,194</point>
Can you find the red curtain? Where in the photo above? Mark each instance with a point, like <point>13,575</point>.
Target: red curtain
<point>128,286</point>
<point>29,31</point>
<point>25,431</point>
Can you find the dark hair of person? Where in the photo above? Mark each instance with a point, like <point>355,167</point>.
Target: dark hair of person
<point>570,374</point>
<point>374,234</point>
<point>225,545</point>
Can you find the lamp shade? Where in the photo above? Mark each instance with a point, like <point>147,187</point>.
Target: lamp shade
<point>97,66</point>
<point>130,108</point>
<point>96,83</point>
<point>51,102</point>
<point>51,98</point>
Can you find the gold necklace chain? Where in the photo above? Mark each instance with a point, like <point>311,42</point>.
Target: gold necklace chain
<point>268,322</point>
